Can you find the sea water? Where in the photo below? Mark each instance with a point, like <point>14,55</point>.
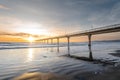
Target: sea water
<point>19,58</point>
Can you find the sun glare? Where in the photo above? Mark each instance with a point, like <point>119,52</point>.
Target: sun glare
<point>33,28</point>
<point>31,39</point>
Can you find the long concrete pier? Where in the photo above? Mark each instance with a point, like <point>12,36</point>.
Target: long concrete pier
<point>89,33</point>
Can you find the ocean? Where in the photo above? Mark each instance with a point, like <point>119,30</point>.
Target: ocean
<point>19,58</point>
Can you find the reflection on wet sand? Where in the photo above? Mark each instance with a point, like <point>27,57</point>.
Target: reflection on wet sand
<point>30,54</point>
<point>51,49</point>
<point>40,76</point>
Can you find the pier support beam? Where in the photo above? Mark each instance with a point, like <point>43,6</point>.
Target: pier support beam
<point>47,41</point>
<point>57,44</point>
<point>68,40</point>
<point>51,41</point>
<point>89,45</point>
<point>51,44</point>
<point>43,41</point>
<point>40,41</point>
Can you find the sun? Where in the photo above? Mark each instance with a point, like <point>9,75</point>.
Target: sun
<point>31,39</point>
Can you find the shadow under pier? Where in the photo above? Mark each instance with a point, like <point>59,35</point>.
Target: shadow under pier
<point>94,61</point>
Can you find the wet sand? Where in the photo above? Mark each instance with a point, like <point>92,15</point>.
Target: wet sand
<point>113,73</point>
<point>110,74</point>
<point>117,53</point>
<point>41,76</point>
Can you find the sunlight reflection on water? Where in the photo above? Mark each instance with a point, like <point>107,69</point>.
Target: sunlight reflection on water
<point>30,55</point>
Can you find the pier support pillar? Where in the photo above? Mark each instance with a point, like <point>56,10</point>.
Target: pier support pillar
<point>89,45</point>
<point>40,41</point>
<point>47,41</point>
<point>51,41</point>
<point>57,44</point>
<point>68,40</point>
<point>43,41</point>
<point>51,44</point>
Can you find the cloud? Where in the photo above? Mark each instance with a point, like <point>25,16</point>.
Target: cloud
<point>115,12</point>
<point>64,15</point>
<point>26,35</point>
<point>22,35</point>
<point>8,23</point>
<point>4,7</point>
<point>106,16</point>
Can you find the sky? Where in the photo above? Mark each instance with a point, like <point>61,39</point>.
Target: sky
<point>43,18</point>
